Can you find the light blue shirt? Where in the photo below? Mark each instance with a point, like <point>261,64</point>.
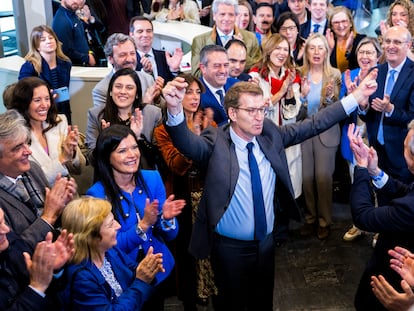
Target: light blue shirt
<point>314,97</point>
<point>238,220</point>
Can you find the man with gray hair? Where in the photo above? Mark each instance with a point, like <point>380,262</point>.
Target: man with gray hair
<point>120,50</point>
<point>224,16</point>
<point>31,209</point>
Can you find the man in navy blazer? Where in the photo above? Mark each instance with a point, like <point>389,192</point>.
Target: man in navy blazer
<point>214,67</point>
<point>155,62</point>
<point>393,110</point>
<point>242,261</point>
<point>393,221</point>
<point>318,12</point>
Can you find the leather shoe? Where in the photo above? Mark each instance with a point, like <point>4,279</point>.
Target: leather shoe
<point>352,234</point>
<point>308,229</point>
<point>323,232</point>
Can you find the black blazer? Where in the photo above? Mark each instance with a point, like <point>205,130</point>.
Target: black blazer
<point>162,66</point>
<point>394,223</point>
<point>305,28</point>
<point>352,56</point>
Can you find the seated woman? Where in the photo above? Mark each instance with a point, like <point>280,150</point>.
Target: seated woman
<point>100,276</point>
<point>46,60</point>
<point>137,196</point>
<point>179,10</point>
<point>124,105</point>
<point>54,143</point>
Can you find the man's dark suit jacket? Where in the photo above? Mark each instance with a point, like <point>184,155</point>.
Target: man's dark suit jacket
<point>15,294</point>
<point>209,100</point>
<point>162,66</point>
<point>215,149</point>
<point>21,218</point>
<point>395,127</point>
<point>394,223</point>
<point>305,28</point>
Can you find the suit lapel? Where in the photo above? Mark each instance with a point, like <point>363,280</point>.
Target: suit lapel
<point>404,74</point>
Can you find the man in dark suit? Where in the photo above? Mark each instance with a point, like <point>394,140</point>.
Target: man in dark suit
<point>318,21</point>
<point>234,203</point>
<point>214,67</point>
<point>391,108</point>
<point>155,62</point>
<point>394,220</point>
<point>237,54</point>
<point>29,210</point>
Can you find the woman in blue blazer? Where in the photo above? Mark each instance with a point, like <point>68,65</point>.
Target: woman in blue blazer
<point>46,60</point>
<point>368,53</point>
<point>138,199</point>
<point>100,276</point>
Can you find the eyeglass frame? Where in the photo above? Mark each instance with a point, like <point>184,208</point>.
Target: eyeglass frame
<point>367,53</point>
<point>290,28</point>
<point>395,42</point>
<point>253,111</point>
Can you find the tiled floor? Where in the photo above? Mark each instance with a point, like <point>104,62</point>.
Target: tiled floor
<point>316,275</point>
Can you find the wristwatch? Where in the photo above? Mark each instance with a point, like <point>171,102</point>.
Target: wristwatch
<point>141,233</point>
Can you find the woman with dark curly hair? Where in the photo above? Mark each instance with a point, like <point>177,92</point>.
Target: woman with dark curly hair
<point>54,143</point>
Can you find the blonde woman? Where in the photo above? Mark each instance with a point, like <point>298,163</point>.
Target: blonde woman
<point>101,276</point>
<point>320,88</point>
<point>343,39</point>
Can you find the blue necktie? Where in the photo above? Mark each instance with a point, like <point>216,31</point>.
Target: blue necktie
<point>224,39</point>
<point>316,28</point>
<point>260,226</point>
<point>388,91</point>
<point>221,95</point>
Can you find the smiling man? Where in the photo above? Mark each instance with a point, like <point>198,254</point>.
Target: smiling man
<point>263,19</point>
<point>318,21</point>
<point>152,61</point>
<point>392,105</point>
<point>214,67</point>
<point>30,211</point>
<point>224,16</point>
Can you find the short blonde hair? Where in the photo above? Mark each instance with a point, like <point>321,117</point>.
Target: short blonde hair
<point>84,217</point>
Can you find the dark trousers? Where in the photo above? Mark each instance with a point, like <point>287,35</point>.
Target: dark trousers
<point>244,274</point>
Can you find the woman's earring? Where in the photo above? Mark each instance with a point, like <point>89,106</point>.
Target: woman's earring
<point>110,94</point>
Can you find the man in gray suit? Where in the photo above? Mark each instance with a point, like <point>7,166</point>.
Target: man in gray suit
<point>120,50</point>
<point>30,209</point>
<point>229,226</point>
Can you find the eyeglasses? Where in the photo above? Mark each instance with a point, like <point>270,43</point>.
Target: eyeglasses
<point>253,111</point>
<point>395,42</point>
<point>336,23</point>
<point>290,28</point>
<point>367,53</point>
